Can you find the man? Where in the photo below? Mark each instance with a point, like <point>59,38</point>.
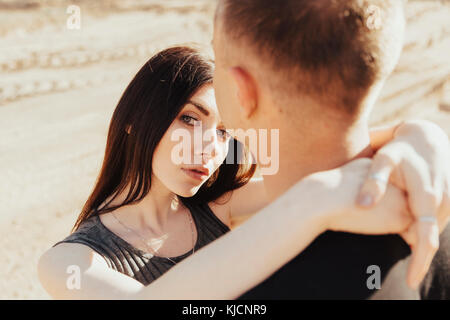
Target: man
<point>313,70</point>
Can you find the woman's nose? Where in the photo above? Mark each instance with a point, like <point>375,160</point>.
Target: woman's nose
<point>207,153</point>
<point>208,149</point>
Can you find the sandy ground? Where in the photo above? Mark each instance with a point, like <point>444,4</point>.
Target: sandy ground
<point>58,88</point>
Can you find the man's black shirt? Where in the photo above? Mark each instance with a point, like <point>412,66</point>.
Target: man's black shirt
<point>339,265</point>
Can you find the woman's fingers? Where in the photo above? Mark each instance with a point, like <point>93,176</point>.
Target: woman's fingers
<point>424,205</point>
<point>426,228</point>
<point>400,164</point>
<point>444,213</point>
<point>417,163</point>
<point>422,251</point>
<point>383,165</point>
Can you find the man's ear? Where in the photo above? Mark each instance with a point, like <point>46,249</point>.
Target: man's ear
<point>246,90</point>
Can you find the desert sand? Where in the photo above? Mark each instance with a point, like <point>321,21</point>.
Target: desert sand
<point>59,87</point>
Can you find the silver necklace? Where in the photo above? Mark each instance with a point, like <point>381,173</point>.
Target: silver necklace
<point>145,242</point>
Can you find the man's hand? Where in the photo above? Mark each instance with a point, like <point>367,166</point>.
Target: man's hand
<point>416,160</point>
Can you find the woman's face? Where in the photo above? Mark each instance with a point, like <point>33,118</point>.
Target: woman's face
<point>193,147</point>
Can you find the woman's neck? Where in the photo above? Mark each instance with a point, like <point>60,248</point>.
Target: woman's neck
<point>152,212</point>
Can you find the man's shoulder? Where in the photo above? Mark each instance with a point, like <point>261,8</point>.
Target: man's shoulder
<point>389,245</point>
<point>340,265</point>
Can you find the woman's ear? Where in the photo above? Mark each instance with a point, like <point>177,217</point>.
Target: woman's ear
<point>246,90</point>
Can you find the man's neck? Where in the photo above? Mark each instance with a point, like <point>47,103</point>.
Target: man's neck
<point>307,150</point>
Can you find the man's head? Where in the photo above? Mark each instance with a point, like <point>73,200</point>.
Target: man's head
<point>313,57</point>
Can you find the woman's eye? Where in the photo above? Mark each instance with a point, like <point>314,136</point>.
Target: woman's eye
<point>189,120</point>
<point>223,134</point>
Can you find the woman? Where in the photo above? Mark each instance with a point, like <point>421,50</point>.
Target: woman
<point>148,213</point>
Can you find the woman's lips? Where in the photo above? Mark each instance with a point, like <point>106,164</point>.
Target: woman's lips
<point>197,175</point>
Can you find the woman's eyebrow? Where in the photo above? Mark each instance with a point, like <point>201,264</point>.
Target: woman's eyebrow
<point>200,107</point>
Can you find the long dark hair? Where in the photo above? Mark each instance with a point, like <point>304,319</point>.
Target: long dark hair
<point>148,106</point>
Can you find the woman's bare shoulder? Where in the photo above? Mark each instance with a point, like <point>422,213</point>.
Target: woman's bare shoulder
<point>241,204</point>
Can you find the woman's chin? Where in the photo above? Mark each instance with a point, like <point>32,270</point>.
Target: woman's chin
<point>188,192</point>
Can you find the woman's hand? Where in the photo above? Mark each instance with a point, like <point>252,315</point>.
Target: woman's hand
<point>417,161</point>
<point>390,215</point>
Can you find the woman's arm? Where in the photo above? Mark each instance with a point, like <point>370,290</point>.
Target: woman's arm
<point>219,270</point>
<point>75,271</point>
<point>243,257</point>
<point>249,199</point>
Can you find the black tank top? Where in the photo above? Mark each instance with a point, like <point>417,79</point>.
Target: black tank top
<point>131,261</point>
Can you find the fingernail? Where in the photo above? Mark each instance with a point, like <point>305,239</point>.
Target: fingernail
<point>365,200</point>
